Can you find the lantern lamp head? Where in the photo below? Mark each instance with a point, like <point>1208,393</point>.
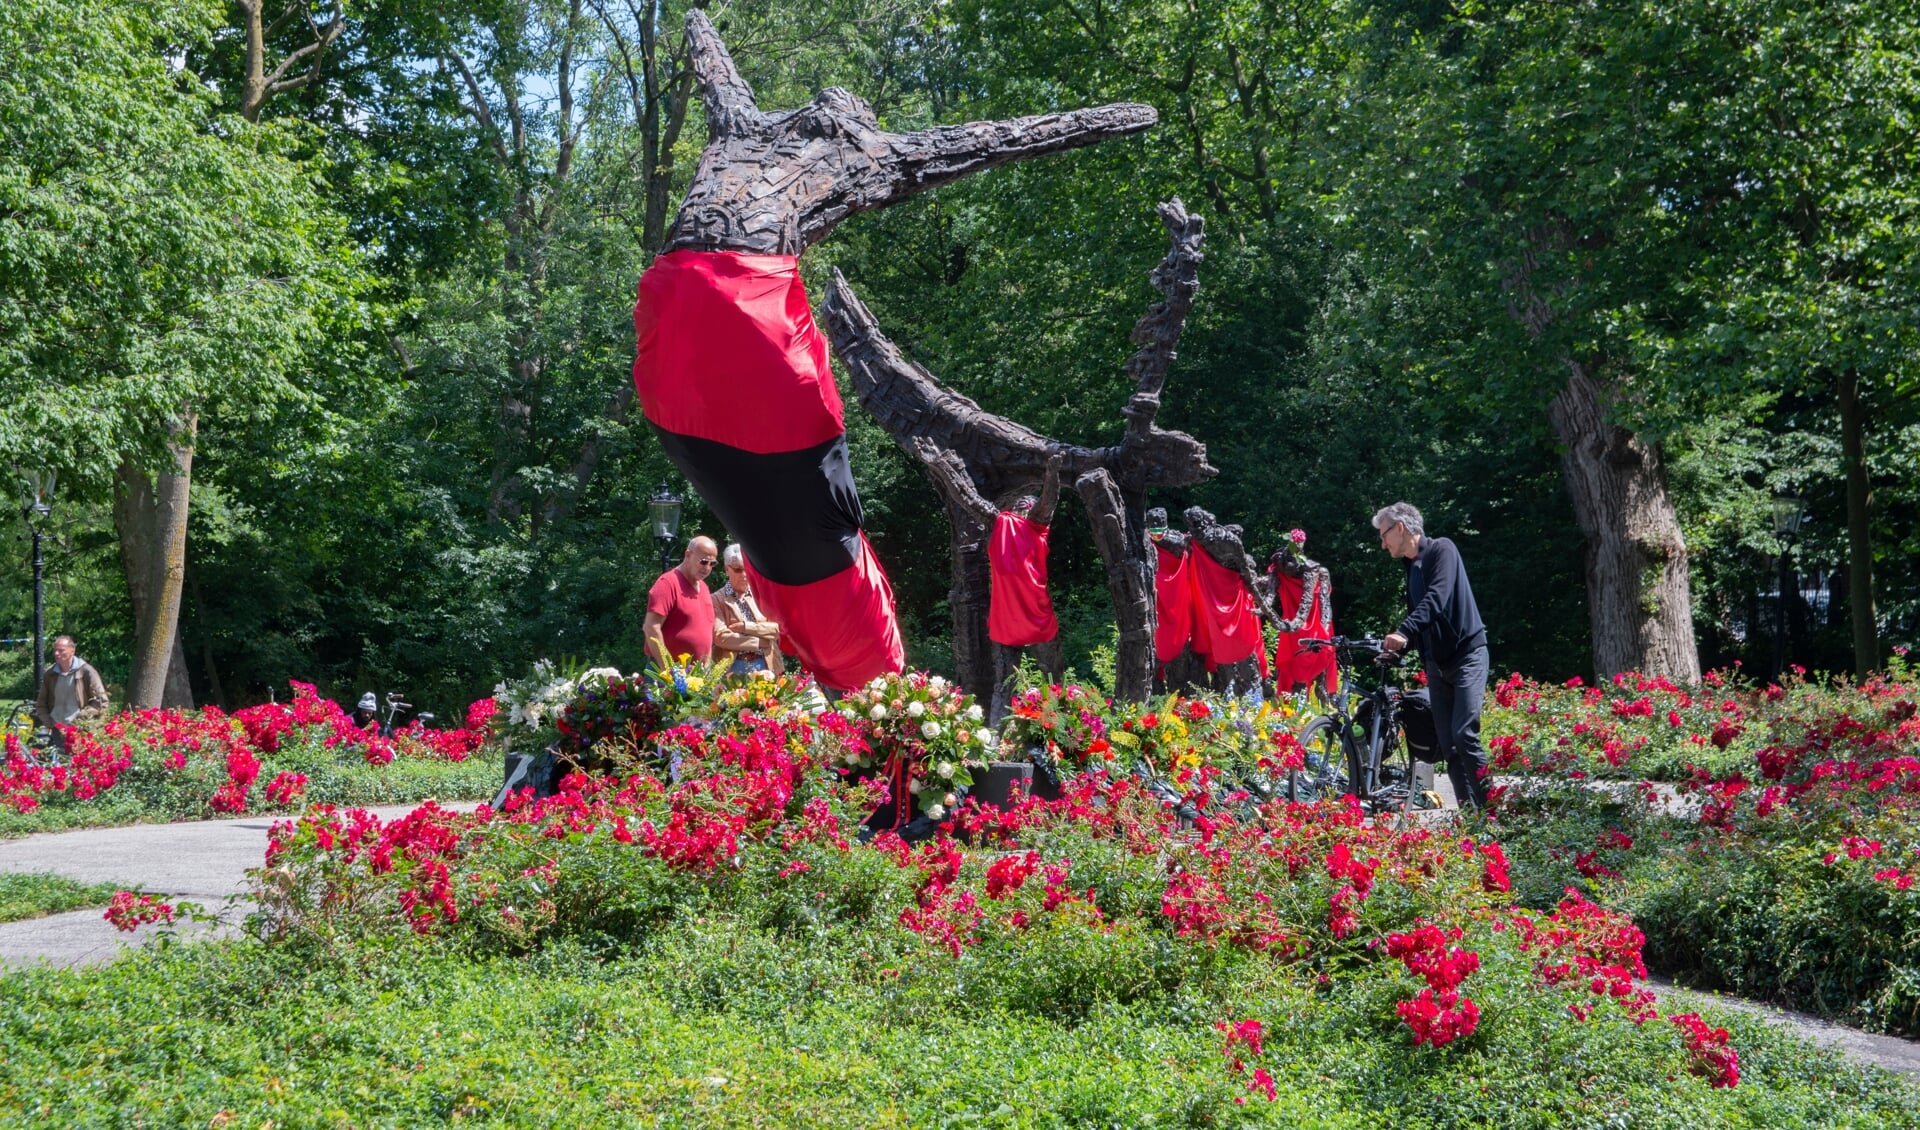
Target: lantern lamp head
<point>1788,513</point>
<point>664,511</point>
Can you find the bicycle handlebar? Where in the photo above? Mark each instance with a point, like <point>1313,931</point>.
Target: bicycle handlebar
<point>1372,646</point>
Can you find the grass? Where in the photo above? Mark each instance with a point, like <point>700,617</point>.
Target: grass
<point>237,1034</point>
<point>38,894</point>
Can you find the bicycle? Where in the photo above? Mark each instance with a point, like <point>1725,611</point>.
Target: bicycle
<point>36,742</point>
<point>1358,749</point>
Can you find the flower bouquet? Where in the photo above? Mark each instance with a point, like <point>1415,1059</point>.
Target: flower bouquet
<point>922,729</point>
<point>1057,727</point>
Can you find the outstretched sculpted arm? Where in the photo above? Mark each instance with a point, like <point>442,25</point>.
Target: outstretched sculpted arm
<point>777,183</point>
<point>731,109</point>
<point>1042,512</point>
<point>950,479</point>
<point>932,157</point>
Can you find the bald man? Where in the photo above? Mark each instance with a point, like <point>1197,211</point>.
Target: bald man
<point>680,608</point>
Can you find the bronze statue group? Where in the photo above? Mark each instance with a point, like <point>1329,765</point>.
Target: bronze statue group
<point>732,373</point>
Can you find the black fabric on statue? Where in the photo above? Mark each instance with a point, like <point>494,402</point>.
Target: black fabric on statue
<point>796,513</point>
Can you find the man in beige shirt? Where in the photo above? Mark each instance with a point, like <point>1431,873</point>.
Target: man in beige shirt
<point>740,633</point>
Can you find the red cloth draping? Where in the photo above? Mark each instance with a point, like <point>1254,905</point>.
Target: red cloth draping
<point>1293,668</point>
<point>1173,596</point>
<point>1226,628</point>
<point>732,373</point>
<point>843,627</point>
<point>728,351</point>
<point>1020,611</point>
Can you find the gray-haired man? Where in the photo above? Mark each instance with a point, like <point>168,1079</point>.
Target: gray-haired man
<point>1444,620</point>
<point>70,691</point>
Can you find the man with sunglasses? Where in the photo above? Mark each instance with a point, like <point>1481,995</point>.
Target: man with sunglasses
<point>679,619</point>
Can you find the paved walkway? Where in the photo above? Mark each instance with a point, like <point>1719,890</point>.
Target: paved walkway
<point>207,861</point>
<point>200,861</point>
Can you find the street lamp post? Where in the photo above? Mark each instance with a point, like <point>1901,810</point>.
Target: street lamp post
<point>664,510</point>
<point>36,508</point>
<point>1788,513</point>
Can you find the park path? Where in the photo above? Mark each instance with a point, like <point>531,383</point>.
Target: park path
<point>202,861</point>
<point>206,862</point>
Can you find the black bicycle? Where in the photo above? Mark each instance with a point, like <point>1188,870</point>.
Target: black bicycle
<point>1360,745</point>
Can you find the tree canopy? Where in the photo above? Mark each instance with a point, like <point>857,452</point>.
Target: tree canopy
<point>392,289</point>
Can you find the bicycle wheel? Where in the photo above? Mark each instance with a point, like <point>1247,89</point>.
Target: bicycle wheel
<point>1393,780</point>
<point>1326,775</point>
<point>20,723</point>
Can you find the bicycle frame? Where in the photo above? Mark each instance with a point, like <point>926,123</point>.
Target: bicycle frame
<point>1367,754</point>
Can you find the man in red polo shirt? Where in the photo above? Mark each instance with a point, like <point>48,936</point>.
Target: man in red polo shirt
<point>680,608</point>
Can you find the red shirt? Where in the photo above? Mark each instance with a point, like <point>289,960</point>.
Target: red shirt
<point>1019,612</point>
<point>686,607</point>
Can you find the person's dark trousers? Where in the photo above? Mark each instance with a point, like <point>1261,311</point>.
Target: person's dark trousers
<point>1458,691</point>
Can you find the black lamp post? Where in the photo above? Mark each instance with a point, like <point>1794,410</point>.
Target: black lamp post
<point>35,509</point>
<point>1788,512</point>
<point>664,510</point>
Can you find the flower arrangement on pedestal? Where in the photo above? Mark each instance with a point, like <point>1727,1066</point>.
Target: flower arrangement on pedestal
<point>922,731</point>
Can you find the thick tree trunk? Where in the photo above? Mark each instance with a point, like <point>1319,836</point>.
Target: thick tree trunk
<point>1853,448</point>
<point>134,517</point>
<point>1637,574</point>
<point>150,516</point>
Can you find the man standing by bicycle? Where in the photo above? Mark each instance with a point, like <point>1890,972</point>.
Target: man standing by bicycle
<point>70,691</point>
<point>1444,620</point>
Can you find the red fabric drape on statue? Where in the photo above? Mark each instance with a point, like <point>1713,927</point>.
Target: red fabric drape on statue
<point>1020,612</point>
<point>1225,621</point>
<point>732,375</point>
<point>1290,670</point>
<point>1173,597</point>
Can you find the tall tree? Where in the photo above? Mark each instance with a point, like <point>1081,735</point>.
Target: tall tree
<point>157,264</point>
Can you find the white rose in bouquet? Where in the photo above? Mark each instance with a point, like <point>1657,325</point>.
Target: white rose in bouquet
<point>930,730</point>
<point>878,712</point>
<point>937,684</point>
<point>913,787</point>
<point>945,768</point>
<point>916,709</point>
<point>975,713</point>
<point>938,812</point>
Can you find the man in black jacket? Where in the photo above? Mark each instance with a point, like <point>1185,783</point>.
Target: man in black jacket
<point>1445,622</point>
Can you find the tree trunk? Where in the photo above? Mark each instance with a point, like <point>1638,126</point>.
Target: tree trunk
<point>1637,574</point>
<point>150,516</point>
<point>134,518</point>
<point>1853,448</point>
<point>253,86</point>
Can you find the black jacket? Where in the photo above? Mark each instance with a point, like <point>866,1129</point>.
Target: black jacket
<point>1443,618</point>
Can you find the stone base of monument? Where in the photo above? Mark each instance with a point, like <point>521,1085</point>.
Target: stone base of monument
<point>996,786</point>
